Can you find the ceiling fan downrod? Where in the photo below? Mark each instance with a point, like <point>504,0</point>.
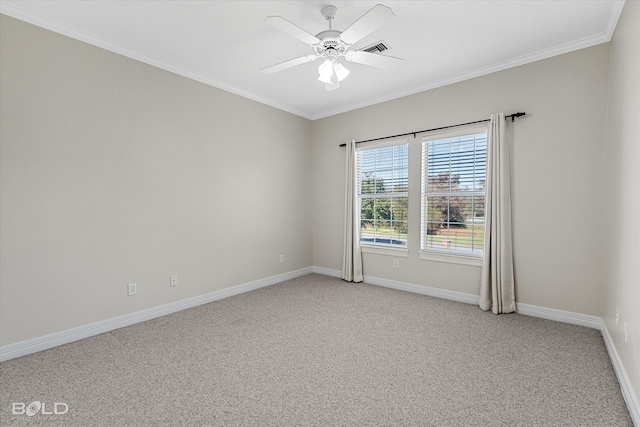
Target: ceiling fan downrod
<point>329,12</point>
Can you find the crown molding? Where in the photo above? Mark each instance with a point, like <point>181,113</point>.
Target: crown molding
<point>483,71</point>
<point>14,11</point>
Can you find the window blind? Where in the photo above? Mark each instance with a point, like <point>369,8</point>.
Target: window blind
<point>383,188</point>
<point>453,193</point>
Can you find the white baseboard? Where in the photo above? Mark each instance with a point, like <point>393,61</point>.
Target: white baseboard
<point>525,309</point>
<point>327,272</point>
<point>625,384</point>
<point>407,287</point>
<point>422,290</point>
<point>559,315</point>
<point>35,345</point>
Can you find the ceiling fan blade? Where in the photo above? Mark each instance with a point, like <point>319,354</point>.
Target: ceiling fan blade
<point>293,30</point>
<point>368,23</point>
<point>373,59</point>
<point>288,64</point>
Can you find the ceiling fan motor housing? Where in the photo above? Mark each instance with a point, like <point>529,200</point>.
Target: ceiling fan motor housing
<point>330,42</point>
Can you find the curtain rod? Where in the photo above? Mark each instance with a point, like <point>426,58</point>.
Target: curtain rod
<point>513,117</point>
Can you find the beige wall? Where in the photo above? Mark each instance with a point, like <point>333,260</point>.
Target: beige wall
<point>113,172</point>
<point>557,176</point>
<point>622,201</point>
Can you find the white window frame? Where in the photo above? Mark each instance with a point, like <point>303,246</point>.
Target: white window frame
<point>438,254</point>
<point>384,248</point>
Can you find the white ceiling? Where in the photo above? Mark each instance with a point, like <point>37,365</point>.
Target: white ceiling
<point>226,43</point>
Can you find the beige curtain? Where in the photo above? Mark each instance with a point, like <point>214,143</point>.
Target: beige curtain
<point>352,254</point>
<point>497,291</point>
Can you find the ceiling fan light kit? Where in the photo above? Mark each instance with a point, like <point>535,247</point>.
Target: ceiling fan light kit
<point>341,71</point>
<point>331,45</point>
<point>326,71</point>
<point>331,73</point>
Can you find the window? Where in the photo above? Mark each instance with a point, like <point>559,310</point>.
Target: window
<point>383,189</point>
<point>453,194</point>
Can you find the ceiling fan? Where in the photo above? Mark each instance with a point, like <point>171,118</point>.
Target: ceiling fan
<point>332,45</point>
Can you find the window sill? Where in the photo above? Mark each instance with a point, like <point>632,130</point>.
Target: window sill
<point>384,250</point>
<point>452,258</point>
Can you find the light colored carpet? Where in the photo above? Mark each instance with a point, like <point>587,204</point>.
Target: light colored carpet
<point>317,351</point>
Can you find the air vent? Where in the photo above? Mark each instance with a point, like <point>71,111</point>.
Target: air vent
<point>378,47</point>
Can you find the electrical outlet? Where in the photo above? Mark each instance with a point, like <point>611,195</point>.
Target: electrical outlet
<point>132,288</point>
<point>281,258</point>
<point>174,280</point>
<point>395,263</point>
<point>626,336</point>
<point>617,317</point>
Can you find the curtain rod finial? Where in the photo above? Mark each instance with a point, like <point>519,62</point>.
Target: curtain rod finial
<point>514,115</point>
